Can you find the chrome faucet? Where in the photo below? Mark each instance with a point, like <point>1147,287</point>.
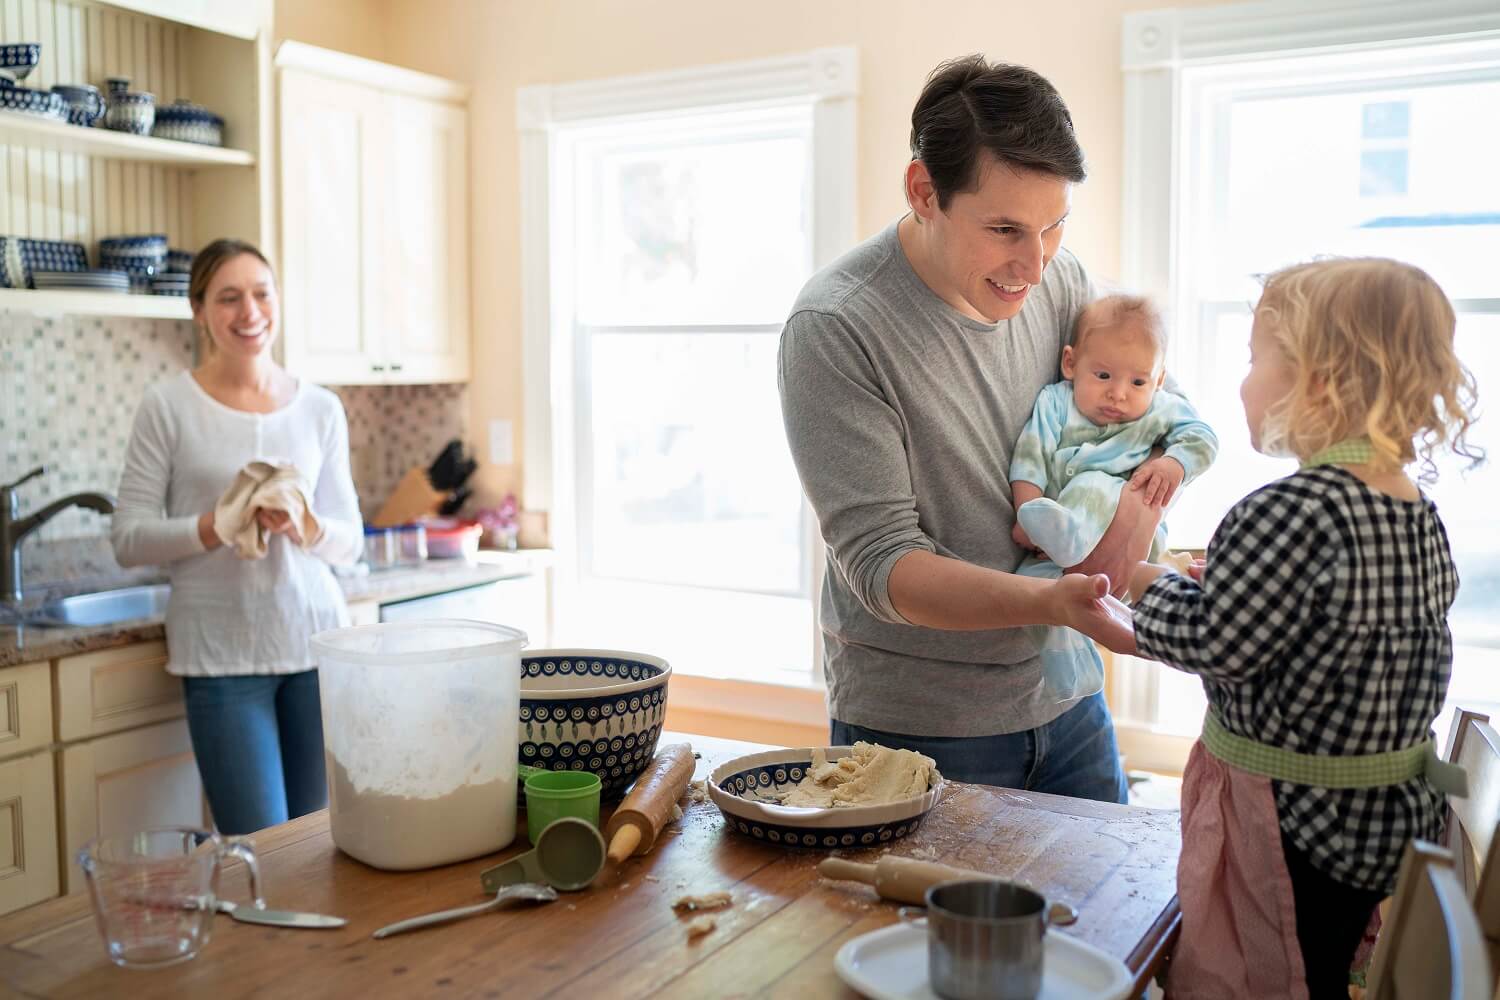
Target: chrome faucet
<point>14,528</point>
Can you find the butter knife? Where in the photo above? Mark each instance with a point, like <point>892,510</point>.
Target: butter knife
<point>279,918</point>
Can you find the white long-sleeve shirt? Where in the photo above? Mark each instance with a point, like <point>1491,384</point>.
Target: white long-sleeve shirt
<point>228,616</point>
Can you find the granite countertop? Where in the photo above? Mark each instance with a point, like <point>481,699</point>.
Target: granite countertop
<point>28,643</point>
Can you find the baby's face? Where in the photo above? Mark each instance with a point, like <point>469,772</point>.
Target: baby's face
<point>1115,373</point>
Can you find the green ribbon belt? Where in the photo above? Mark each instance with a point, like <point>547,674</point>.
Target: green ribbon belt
<point>1373,770</point>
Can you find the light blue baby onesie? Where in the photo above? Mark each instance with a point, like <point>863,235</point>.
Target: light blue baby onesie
<point>1081,468</point>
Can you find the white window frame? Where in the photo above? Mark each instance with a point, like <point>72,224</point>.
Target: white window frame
<point>826,79</point>
<point>1156,48</point>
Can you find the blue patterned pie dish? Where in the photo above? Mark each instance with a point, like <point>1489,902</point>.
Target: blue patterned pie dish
<point>596,710</point>
<point>738,786</point>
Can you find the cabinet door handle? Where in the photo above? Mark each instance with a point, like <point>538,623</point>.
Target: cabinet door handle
<point>377,368</point>
<point>395,367</point>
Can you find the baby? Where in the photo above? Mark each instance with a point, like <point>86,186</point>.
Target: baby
<point>1088,436</point>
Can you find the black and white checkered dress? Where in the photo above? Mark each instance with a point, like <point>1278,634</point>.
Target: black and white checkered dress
<point>1321,628</point>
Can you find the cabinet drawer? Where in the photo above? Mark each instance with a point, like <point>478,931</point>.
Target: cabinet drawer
<point>25,708</point>
<point>115,689</point>
<point>28,832</point>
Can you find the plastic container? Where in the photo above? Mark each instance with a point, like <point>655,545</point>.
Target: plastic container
<point>450,538</point>
<point>381,547</point>
<point>419,732</point>
<point>412,544</point>
<point>553,795</point>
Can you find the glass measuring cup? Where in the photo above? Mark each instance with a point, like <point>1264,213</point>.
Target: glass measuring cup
<point>155,891</point>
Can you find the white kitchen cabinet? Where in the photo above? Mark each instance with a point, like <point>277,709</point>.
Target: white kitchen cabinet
<point>28,831</point>
<point>375,221</point>
<point>115,689</point>
<point>129,781</point>
<point>25,709</point>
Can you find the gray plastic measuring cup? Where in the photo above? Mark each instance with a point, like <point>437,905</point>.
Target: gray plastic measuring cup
<point>569,854</point>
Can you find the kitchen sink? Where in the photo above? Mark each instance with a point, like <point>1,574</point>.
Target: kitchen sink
<point>105,607</point>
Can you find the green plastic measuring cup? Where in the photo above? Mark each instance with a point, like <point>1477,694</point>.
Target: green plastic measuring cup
<point>552,795</point>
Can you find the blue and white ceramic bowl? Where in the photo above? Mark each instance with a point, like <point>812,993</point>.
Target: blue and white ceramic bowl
<point>179,261</point>
<point>20,58</point>
<point>188,122</point>
<point>596,710</point>
<point>42,103</point>
<point>737,788</point>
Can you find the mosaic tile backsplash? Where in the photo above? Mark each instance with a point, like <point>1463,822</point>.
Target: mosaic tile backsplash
<point>69,388</point>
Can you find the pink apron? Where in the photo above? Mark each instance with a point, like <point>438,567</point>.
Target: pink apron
<point>1239,919</point>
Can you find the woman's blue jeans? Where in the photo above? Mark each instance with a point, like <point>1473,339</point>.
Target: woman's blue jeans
<point>259,744</point>
<point>1074,754</point>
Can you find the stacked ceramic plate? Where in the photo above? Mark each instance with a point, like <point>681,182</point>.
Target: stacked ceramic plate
<point>92,280</point>
<point>167,283</point>
<point>40,103</point>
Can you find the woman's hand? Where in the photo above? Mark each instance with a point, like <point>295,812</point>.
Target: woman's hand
<point>278,522</point>
<point>1084,603</point>
<point>206,533</point>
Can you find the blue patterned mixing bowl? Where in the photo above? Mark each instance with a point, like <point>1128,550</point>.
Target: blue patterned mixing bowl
<point>738,786</point>
<point>596,710</point>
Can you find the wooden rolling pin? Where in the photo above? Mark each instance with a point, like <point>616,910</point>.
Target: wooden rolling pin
<point>906,880</point>
<point>634,826</point>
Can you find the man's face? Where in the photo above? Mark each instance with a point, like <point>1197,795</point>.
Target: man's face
<point>1115,373</point>
<point>992,244</point>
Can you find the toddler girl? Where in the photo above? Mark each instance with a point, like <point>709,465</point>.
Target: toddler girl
<point>1320,631</point>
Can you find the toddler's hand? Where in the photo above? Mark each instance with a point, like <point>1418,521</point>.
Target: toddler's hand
<point>1159,478</point>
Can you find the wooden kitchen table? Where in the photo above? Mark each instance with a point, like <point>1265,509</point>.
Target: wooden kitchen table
<point>621,938</point>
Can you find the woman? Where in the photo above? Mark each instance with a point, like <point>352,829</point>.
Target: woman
<point>237,629</point>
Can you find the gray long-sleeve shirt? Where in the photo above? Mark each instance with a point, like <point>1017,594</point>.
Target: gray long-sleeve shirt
<point>902,413</point>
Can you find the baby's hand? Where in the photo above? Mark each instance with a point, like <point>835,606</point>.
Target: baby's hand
<point>1018,534</point>
<point>1159,478</point>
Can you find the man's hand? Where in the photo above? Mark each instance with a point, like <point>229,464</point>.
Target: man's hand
<point>1158,480</point>
<point>1126,542</point>
<point>1084,603</point>
<point>278,522</point>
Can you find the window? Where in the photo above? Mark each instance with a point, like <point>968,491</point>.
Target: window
<point>684,213</point>
<point>1277,157</point>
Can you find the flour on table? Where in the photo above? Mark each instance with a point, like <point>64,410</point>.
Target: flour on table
<point>701,926</point>
<point>869,776</point>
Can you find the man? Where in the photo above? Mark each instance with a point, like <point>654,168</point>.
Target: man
<point>907,370</point>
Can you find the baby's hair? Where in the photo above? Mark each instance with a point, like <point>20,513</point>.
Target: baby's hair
<point>1115,311</point>
<point>1371,344</point>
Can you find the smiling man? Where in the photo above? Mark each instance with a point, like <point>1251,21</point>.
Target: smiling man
<point>907,370</point>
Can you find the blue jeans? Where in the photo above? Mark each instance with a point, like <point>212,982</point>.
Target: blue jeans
<point>259,744</point>
<point>1074,754</point>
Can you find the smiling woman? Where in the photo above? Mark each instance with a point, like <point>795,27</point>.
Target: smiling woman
<point>238,449</point>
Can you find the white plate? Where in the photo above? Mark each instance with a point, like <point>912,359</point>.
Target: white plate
<point>891,964</point>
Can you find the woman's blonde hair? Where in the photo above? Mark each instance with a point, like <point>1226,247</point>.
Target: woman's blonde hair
<point>1371,343</point>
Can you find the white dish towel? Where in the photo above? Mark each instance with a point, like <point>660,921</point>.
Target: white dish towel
<point>268,485</point>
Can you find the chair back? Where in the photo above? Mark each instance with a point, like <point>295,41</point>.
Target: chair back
<point>1431,946</point>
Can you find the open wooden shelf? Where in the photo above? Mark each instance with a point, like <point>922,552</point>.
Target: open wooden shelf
<point>90,303</point>
<point>44,133</point>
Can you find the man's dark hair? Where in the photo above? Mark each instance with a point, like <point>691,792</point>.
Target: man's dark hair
<point>971,104</point>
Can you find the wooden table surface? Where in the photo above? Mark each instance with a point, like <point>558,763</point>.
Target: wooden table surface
<point>621,938</point>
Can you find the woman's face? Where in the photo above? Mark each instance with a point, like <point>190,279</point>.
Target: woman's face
<point>1270,380</point>
<point>240,309</point>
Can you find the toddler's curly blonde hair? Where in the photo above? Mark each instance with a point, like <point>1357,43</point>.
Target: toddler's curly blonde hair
<point>1371,342</point>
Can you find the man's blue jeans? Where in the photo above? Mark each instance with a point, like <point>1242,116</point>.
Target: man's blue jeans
<point>259,744</point>
<point>1074,754</point>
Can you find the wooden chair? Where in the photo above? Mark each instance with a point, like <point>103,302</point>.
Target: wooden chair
<point>1431,947</point>
<point>1475,745</point>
